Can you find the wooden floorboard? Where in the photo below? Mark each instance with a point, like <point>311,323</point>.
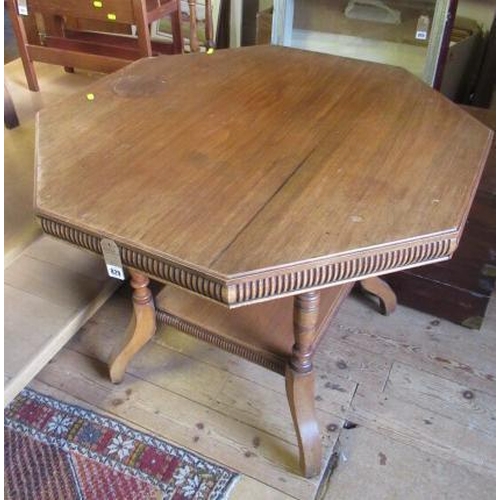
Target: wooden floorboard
<point>417,339</point>
<point>20,228</point>
<point>464,404</point>
<point>55,84</point>
<point>412,424</point>
<point>235,413</point>
<point>182,421</point>
<point>373,466</point>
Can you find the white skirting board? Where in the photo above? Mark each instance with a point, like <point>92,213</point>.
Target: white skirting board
<point>51,290</point>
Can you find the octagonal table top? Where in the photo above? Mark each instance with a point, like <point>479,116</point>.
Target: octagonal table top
<point>259,172</point>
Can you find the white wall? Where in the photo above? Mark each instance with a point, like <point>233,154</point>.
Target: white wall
<point>483,11</point>
<point>265,4</point>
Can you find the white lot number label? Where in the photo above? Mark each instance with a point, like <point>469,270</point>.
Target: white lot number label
<point>22,7</point>
<point>111,254</point>
<point>422,28</point>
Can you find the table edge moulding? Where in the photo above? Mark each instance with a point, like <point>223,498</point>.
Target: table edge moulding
<point>262,285</point>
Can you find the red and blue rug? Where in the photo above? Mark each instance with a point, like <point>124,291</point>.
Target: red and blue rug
<point>57,451</point>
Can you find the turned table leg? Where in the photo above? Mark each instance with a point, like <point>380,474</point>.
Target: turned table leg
<point>141,328</point>
<point>300,383</point>
<point>383,291</point>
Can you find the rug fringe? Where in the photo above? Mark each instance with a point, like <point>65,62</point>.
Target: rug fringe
<point>230,487</point>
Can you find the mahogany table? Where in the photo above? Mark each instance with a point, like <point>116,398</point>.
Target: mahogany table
<point>263,177</point>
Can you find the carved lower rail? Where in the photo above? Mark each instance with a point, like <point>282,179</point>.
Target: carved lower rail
<point>266,360</point>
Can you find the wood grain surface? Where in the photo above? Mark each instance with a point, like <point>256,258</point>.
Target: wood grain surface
<point>459,290</point>
<point>264,160</point>
<point>425,434</point>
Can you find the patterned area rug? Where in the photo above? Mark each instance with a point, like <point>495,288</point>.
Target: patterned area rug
<point>56,451</point>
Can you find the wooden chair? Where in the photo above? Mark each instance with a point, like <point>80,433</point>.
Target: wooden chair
<point>194,43</point>
<point>190,28</point>
<point>62,41</point>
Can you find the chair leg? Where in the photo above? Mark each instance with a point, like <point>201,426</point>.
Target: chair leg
<point>299,377</point>
<point>383,291</point>
<point>143,33</point>
<point>194,42</point>
<point>22,43</point>
<point>175,20</point>
<point>209,26</point>
<point>54,26</point>
<point>142,327</point>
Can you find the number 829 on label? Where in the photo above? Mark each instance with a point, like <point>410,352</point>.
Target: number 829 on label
<point>115,272</point>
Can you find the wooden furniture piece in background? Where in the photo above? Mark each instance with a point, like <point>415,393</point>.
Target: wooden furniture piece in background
<point>263,26</point>
<point>76,48</point>
<point>378,288</point>
<point>459,290</point>
<point>324,27</point>
<point>197,23</point>
<point>483,90</point>
<point>275,209</point>
<point>10,117</point>
<point>194,42</point>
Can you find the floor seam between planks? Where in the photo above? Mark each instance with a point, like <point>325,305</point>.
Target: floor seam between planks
<point>431,447</point>
<point>446,376</point>
<point>202,404</point>
<point>386,381</point>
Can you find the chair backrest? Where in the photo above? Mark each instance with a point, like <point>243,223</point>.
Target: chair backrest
<point>61,39</point>
<point>122,11</point>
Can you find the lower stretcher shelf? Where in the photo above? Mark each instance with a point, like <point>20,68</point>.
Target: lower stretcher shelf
<point>261,333</point>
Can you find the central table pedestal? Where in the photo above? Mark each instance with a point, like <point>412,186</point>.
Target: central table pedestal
<point>281,335</point>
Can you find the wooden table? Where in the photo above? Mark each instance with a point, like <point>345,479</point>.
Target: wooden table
<point>263,177</point>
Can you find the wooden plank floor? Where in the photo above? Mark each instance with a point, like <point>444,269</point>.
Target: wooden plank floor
<point>419,391</point>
